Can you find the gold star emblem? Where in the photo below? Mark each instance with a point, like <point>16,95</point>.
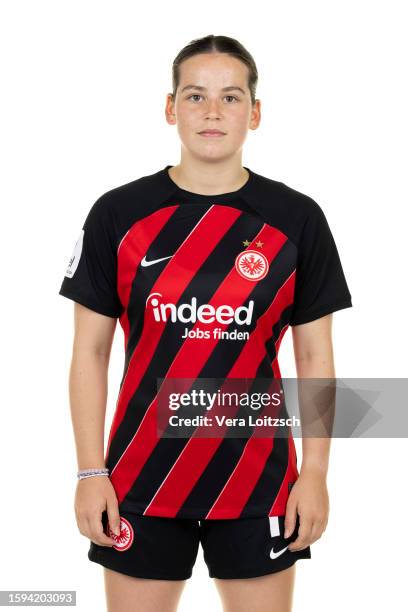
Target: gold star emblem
<point>259,243</point>
<point>246,243</point>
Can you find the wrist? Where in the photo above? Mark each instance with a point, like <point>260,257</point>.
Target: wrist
<point>90,472</point>
<point>314,468</point>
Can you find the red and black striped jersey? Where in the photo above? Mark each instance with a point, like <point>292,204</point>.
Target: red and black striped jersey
<point>204,287</point>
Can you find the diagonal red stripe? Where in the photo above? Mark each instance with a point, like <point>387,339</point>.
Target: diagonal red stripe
<point>291,475</point>
<point>132,248</point>
<point>244,477</point>
<point>181,268</point>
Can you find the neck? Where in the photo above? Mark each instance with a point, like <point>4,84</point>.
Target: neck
<point>209,178</point>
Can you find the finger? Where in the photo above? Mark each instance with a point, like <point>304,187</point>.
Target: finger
<point>299,544</point>
<point>113,516</point>
<point>304,533</point>
<point>97,534</point>
<point>290,520</point>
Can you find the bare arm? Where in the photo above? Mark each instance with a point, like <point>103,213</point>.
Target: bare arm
<point>314,358</point>
<point>88,388</point>
<point>88,383</point>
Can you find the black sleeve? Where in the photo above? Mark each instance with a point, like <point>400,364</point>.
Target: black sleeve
<point>91,275</point>
<point>320,286</point>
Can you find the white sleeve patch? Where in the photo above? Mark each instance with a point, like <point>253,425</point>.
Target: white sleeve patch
<point>74,261</point>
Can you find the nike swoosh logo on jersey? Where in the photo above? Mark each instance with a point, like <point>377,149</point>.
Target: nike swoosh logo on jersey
<point>275,555</point>
<point>144,262</point>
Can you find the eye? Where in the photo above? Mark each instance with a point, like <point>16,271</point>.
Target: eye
<point>194,95</point>
<point>235,98</point>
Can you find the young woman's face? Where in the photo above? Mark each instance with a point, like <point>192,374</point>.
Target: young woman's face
<point>213,94</point>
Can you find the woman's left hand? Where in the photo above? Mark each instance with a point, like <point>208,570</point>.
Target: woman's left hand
<point>310,500</point>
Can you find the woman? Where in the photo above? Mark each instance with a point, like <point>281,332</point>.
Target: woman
<point>205,264</point>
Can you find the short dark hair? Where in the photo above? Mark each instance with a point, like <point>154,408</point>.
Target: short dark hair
<point>217,44</point>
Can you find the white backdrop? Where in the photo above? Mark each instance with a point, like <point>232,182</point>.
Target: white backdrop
<point>84,86</point>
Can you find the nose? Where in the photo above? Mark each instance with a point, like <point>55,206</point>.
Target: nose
<point>212,108</point>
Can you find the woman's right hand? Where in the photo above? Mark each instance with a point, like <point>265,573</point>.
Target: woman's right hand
<point>94,495</point>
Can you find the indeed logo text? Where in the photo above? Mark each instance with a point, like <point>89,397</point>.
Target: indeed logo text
<point>205,313</point>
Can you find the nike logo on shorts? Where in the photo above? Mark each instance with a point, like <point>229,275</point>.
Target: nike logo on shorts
<point>275,555</point>
<point>144,262</point>
<point>275,532</point>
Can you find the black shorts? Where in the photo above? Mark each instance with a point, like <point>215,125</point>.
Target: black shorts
<point>166,548</point>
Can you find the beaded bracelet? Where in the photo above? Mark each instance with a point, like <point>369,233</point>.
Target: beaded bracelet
<point>92,472</point>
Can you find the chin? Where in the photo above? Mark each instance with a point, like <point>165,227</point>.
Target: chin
<point>210,153</point>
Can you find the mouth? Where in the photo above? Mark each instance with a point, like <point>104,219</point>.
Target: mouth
<point>211,133</point>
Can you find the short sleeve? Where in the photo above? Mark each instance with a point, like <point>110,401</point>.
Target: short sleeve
<point>91,275</point>
<point>320,286</point>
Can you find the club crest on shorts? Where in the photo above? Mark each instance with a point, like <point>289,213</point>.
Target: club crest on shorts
<point>125,539</point>
<point>252,265</point>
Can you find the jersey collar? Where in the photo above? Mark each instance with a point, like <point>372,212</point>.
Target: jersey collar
<point>164,187</point>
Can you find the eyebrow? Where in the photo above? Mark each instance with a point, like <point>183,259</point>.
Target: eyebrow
<point>229,88</point>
